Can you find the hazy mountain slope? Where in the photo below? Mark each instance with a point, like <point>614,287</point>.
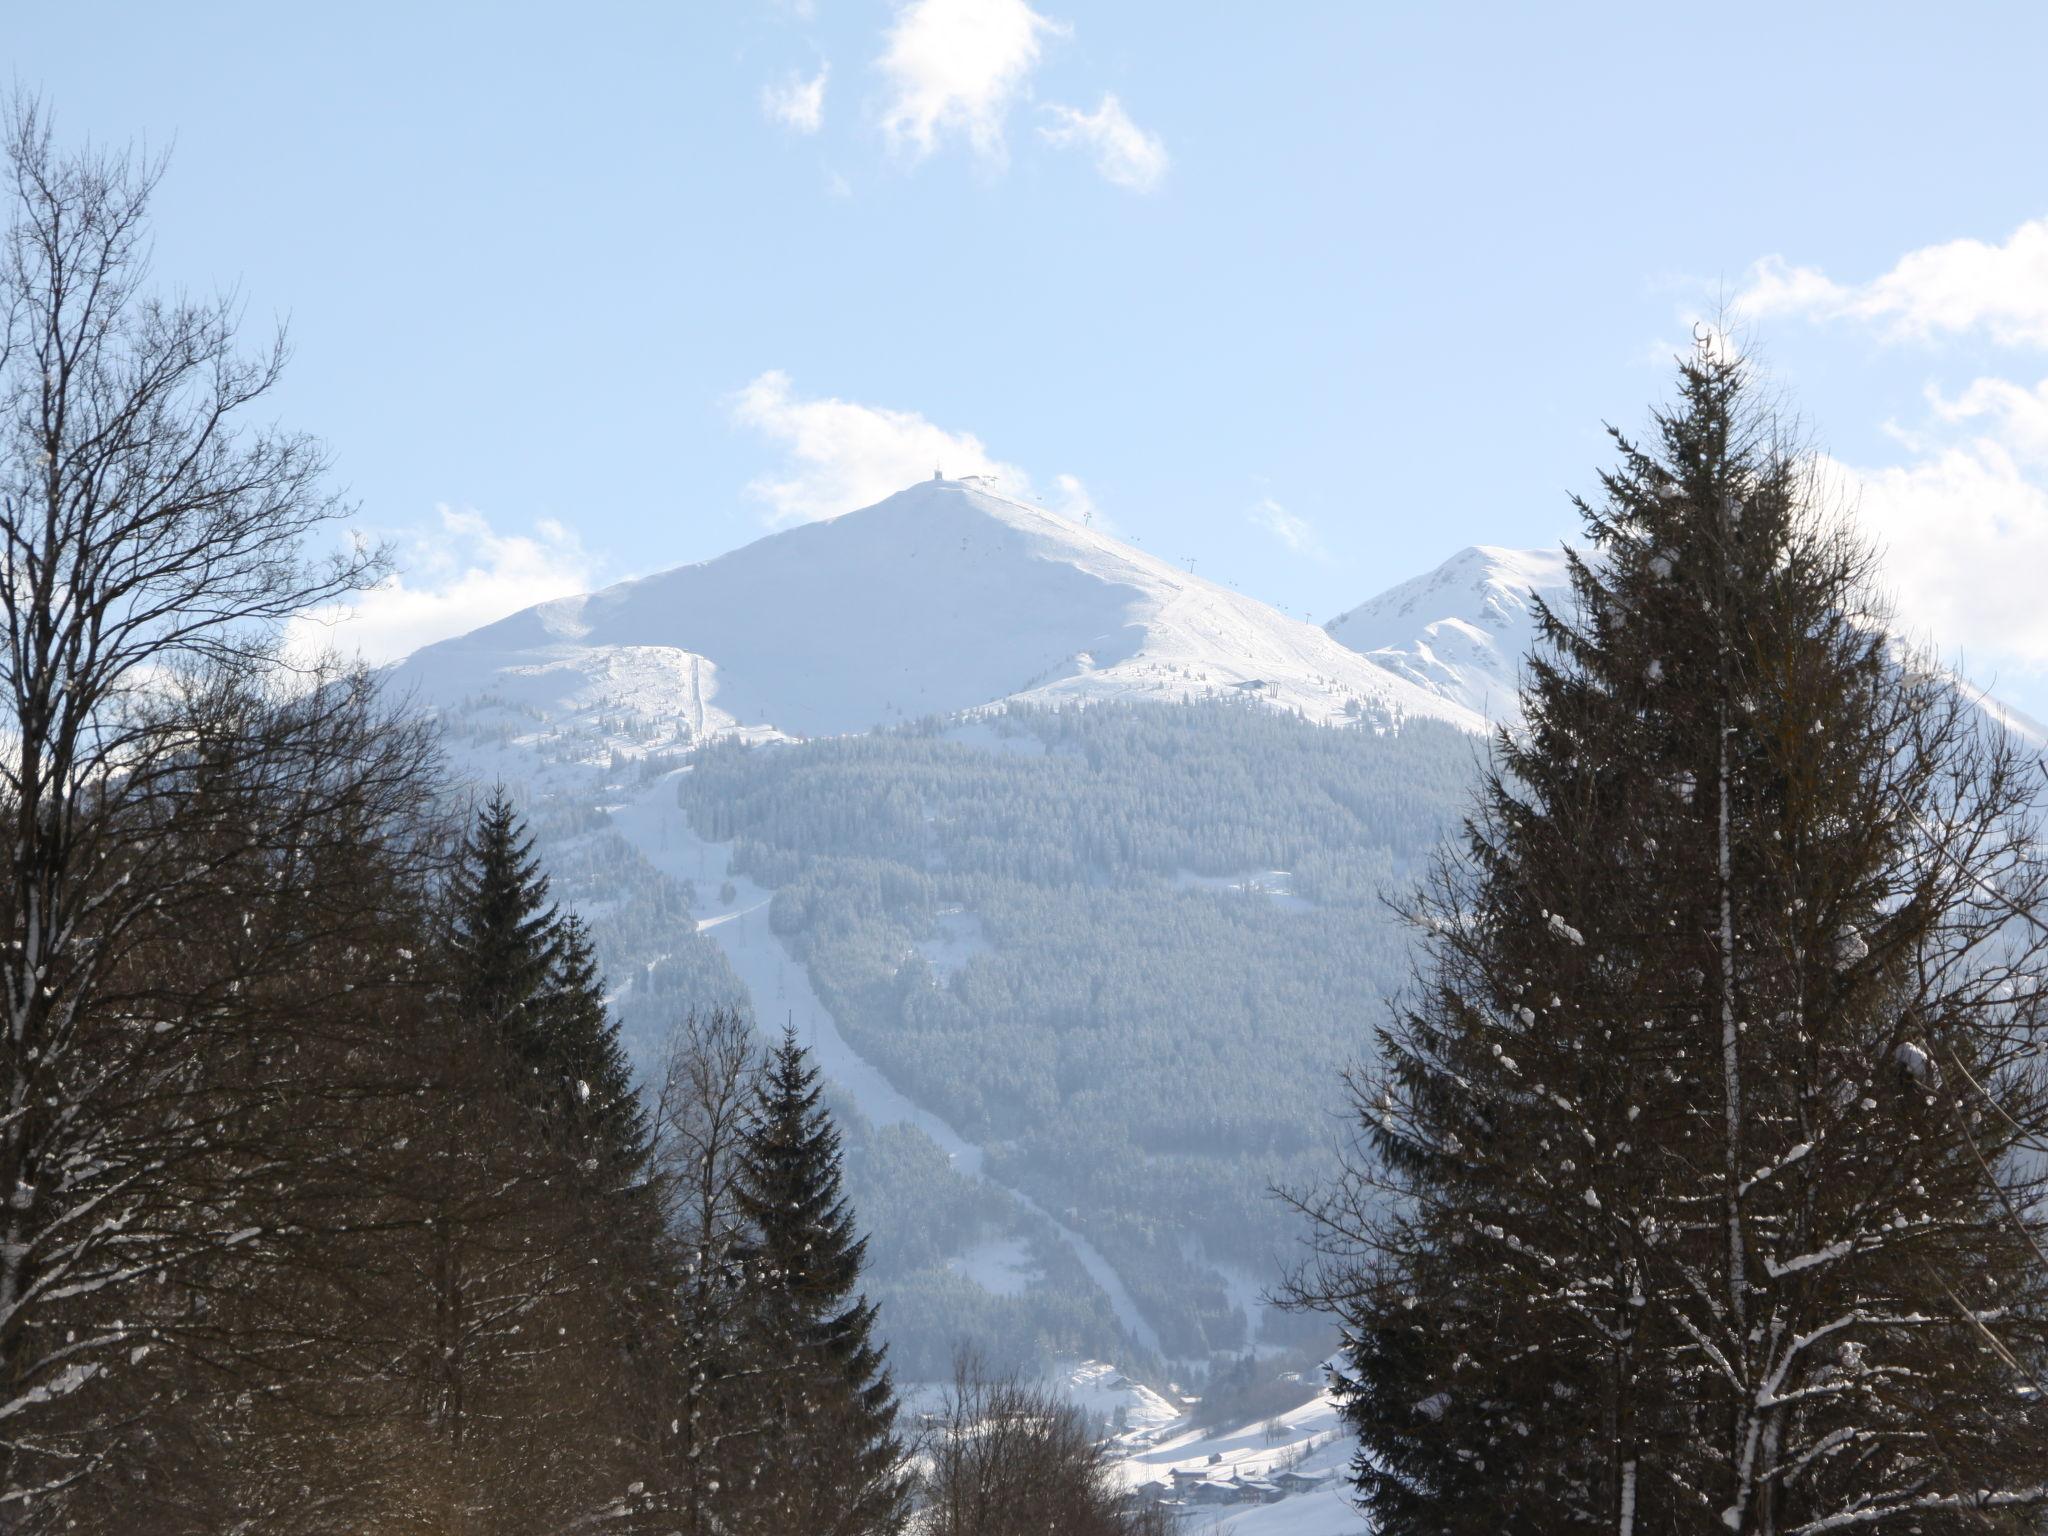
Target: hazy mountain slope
<point>1122,952</point>
<point>1461,631</point>
<point>939,599</point>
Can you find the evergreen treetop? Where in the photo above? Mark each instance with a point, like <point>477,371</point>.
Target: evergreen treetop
<point>529,973</point>
<point>504,936</point>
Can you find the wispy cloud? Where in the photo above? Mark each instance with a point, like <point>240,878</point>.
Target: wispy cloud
<point>1125,154</point>
<point>454,576</point>
<point>2016,416</point>
<point>1962,517</point>
<point>841,455</point>
<point>1964,533</point>
<point>1962,522</point>
<point>956,67</point>
<point>797,103</point>
<point>1292,530</point>
<point>1957,287</point>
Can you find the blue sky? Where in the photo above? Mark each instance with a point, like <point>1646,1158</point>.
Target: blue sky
<point>1312,294</point>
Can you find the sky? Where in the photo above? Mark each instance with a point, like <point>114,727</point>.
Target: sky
<point>1309,295</point>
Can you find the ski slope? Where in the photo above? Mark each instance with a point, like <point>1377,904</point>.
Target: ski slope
<point>781,990</point>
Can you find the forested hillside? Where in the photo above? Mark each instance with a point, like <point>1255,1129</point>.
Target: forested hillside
<point>1123,948</point>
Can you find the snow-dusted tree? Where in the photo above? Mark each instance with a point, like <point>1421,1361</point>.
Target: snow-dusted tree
<point>1005,1457</point>
<point>838,1465</point>
<point>605,1130</point>
<point>258,1394</point>
<point>701,1406</point>
<point>1694,1191</point>
<point>537,1223</point>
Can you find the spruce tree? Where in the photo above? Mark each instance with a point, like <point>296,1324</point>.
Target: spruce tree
<point>504,940</point>
<point>835,1458</point>
<point>1691,1193</point>
<point>607,1127</point>
<point>528,972</point>
<point>545,1235</point>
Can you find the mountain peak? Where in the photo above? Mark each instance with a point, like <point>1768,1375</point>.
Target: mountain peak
<point>945,596</point>
<point>1461,630</point>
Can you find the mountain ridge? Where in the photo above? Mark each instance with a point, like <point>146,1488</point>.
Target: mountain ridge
<point>942,598</point>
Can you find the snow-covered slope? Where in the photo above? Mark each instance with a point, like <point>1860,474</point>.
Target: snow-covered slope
<point>1288,1475</point>
<point>1461,631</point>
<point>944,597</point>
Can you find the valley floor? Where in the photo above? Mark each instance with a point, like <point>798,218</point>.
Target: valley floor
<point>1305,1443</point>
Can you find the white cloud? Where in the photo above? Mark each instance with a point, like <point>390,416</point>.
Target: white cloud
<point>1965,539</point>
<point>843,455</point>
<point>1959,286</point>
<point>1963,526</point>
<point>1075,502</point>
<point>955,66</point>
<point>1963,520</point>
<point>2018,415</point>
<point>797,103</point>
<point>1296,532</point>
<point>1125,154</point>
<point>452,578</point>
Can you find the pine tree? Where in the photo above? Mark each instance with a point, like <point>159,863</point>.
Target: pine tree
<point>835,1456</point>
<point>1691,1193</point>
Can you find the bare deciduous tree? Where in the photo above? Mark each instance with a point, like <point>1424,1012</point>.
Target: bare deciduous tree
<point>709,1070</point>
<point>151,547</point>
<point>1004,1457</point>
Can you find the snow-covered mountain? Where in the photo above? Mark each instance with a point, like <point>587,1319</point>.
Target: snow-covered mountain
<point>1460,632</point>
<point>944,597</point>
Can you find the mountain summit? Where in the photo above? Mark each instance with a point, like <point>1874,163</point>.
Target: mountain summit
<point>1461,631</point>
<point>941,598</point>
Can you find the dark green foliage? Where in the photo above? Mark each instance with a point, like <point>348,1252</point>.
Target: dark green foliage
<point>834,1449</point>
<point>529,974</point>
<point>607,1129</point>
<point>503,942</point>
<point>1693,1190</point>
